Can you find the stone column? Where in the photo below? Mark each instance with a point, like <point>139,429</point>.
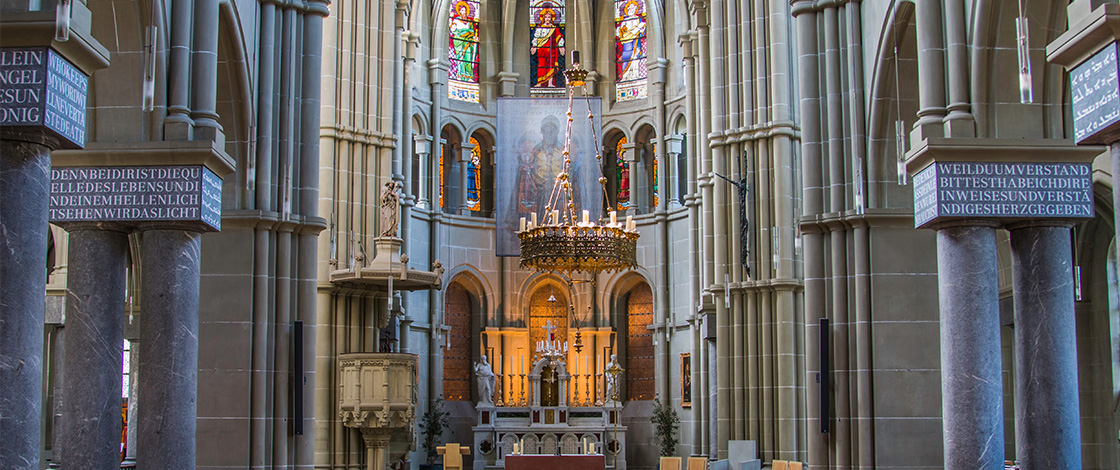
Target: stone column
<point>971,387</point>
<point>1047,425</point>
<point>95,300</point>
<point>422,146</point>
<point>24,190</point>
<point>169,350</point>
<point>133,400</point>
<point>630,156</point>
<point>465,151</point>
<point>376,441</point>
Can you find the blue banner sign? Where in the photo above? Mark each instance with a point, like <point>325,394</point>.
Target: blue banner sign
<point>136,194</point>
<point>1000,190</point>
<point>40,88</point>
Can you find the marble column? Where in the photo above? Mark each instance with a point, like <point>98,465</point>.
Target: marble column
<point>168,382</point>
<point>971,387</point>
<point>1047,425</point>
<point>95,299</point>
<point>24,190</point>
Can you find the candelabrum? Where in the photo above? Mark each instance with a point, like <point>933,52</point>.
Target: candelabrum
<point>587,381</point>
<point>500,392</point>
<point>521,399</point>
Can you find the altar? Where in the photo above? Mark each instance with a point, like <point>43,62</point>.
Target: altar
<point>555,462</point>
<point>554,416</point>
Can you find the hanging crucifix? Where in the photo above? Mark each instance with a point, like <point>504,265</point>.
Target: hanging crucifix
<point>744,240</point>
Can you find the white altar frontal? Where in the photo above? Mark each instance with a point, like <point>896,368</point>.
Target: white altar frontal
<point>542,408</point>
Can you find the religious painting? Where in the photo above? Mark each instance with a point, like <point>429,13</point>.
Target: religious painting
<point>686,380</point>
<point>546,47</point>
<point>630,50</point>
<point>462,53</point>
<point>474,176</point>
<point>530,153</point>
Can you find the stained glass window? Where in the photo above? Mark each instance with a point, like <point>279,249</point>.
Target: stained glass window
<point>474,176</point>
<point>442,151</point>
<point>622,175</point>
<point>655,199</point>
<point>463,51</point>
<point>630,49</point>
<point>546,47</point>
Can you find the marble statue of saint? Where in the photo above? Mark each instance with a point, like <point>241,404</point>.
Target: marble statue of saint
<point>613,393</point>
<point>390,202</point>
<point>485,377</point>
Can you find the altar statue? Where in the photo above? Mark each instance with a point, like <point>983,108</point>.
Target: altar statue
<point>485,377</point>
<point>612,372</point>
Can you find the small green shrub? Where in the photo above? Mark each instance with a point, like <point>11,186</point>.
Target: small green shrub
<point>665,425</point>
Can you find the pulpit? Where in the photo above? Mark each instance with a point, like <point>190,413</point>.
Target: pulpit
<point>453,455</point>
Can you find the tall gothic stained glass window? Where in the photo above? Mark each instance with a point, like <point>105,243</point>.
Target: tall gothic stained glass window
<point>546,47</point>
<point>463,51</point>
<point>474,176</point>
<point>622,175</point>
<point>630,49</point>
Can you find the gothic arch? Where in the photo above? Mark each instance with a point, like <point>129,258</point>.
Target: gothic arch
<point>235,110</point>
<point>631,303</point>
<point>474,281</point>
<point>889,105</point>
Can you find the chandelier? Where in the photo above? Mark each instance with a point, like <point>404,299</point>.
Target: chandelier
<point>563,243</point>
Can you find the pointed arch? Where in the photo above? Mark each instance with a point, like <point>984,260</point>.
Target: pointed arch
<point>890,104</point>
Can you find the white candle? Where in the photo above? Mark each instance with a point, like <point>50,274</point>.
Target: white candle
<point>522,224</point>
<point>586,364</point>
<point>533,216</point>
<point>586,217</point>
<point>522,363</point>
<point>629,222</point>
<point>555,217</point>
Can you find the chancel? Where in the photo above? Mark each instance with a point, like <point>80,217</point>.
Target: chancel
<point>559,234</point>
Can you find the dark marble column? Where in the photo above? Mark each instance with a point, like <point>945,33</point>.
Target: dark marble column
<point>1047,425</point>
<point>95,324</point>
<point>170,261</point>
<point>25,163</point>
<point>971,387</point>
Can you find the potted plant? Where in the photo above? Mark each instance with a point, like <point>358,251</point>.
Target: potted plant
<point>432,425</point>
<point>665,425</point>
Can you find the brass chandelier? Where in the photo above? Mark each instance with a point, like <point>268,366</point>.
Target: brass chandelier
<point>563,243</point>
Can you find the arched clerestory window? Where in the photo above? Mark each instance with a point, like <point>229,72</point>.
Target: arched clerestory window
<point>630,50</point>
<point>546,47</point>
<point>474,176</point>
<point>462,51</point>
<point>622,176</point>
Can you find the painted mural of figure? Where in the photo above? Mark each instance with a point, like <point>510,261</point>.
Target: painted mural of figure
<point>526,180</point>
<point>547,48</point>
<point>464,43</point>
<point>630,30</point>
<point>548,156</point>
